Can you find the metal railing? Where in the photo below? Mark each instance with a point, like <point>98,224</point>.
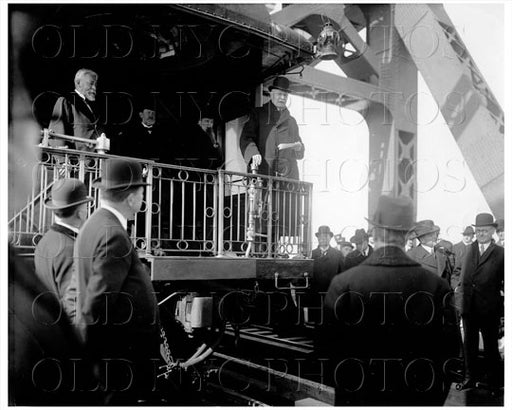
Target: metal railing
<point>186,211</point>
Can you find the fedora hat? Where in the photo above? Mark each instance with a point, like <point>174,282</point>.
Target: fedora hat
<point>484,219</point>
<point>67,192</point>
<point>120,174</point>
<point>341,241</point>
<point>324,229</point>
<point>468,231</point>
<point>393,213</point>
<point>280,83</point>
<point>359,236</point>
<point>425,227</point>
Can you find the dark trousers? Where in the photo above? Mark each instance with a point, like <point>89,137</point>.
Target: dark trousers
<point>489,326</point>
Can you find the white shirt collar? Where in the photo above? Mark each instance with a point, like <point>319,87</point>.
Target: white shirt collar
<point>146,126</point>
<point>429,249</point>
<point>118,214</point>
<point>486,245</point>
<point>81,95</point>
<point>58,221</point>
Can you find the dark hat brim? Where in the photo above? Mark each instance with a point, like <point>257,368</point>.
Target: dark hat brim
<point>274,87</point>
<point>398,228</point>
<point>319,233</point>
<point>98,183</point>
<point>489,224</point>
<point>48,203</point>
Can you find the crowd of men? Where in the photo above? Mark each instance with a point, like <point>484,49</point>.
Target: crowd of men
<point>402,301</point>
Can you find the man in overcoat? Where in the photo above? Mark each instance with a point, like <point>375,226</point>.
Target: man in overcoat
<point>328,261</point>
<point>433,255</point>
<point>390,331</point>
<point>482,282</point>
<point>53,256</point>
<point>76,115</point>
<point>270,138</point>
<point>117,314</point>
<point>362,251</point>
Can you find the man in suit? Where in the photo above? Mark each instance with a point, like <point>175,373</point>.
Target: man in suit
<point>363,249</point>
<point>76,115</point>
<point>53,256</point>
<point>328,261</point>
<point>460,249</point>
<point>482,282</point>
<point>144,137</point>
<point>433,254</point>
<point>270,138</point>
<point>390,330</point>
<point>117,314</point>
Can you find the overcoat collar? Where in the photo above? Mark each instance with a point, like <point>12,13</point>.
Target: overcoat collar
<point>64,230</point>
<point>482,258</point>
<point>389,256</point>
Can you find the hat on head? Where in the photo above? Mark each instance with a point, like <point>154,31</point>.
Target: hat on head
<point>425,227</point>
<point>484,219</point>
<point>146,103</point>
<point>324,229</point>
<point>501,225</point>
<point>359,236</point>
<point>120,174</point>
<point>67,192</point>
<point>468,231</point>
<point>341,241</point>
<point>280,83</point>
<point>393,213</point>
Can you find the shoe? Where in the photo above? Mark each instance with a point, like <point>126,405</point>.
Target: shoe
<point>466,384</point>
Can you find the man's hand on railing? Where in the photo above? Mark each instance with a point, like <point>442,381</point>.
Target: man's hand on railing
<point>256,160</point>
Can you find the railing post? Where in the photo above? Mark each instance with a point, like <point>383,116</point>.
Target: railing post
<point>269,217</point>
<point>220,215</point>
<point>215,212</point>
<point>149,203</point>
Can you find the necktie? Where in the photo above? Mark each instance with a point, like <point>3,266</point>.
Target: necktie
<point>482,249</point>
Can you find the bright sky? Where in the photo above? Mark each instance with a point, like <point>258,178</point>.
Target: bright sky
<point>336,143</point>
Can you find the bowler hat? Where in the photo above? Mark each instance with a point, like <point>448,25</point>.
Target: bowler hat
<point>67,192</point>
<point>324,229</point>
<point>468,231</point>
<point>280,83</point>
<point>484,219</point>
<point>501,225</point>
<point>120,174</point>
<point>425,227</point>
<point>359,236</point>
<point>393,213</point>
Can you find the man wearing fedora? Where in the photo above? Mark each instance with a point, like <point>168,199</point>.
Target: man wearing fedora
<point>431,253</point>
<point>53,256</point>
<point>363,249</point>
<point>390,328</point>
<point>270,138</point>
<point>344,246</point>
<point>482,283</point>
<point>117,314</point>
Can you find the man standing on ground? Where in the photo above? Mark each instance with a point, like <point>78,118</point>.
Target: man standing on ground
<point>117,313</point>
<point>362,251</point>
<point>482,282</point>
<point>53,256</point>
<point>390,326</point>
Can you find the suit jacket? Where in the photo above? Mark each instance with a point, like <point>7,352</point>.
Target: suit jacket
<point>355,257</point>
<point>459,249</point>
<point>116,311</point>
<point>40,336</point>
<point>137,141</point>
<point>53,260</point>
<point>325,267</point>
<point>389,307</point>
<point>437,263</point>
<point>263,132</point>
<point>72,116</point>
<point>482,280</point>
